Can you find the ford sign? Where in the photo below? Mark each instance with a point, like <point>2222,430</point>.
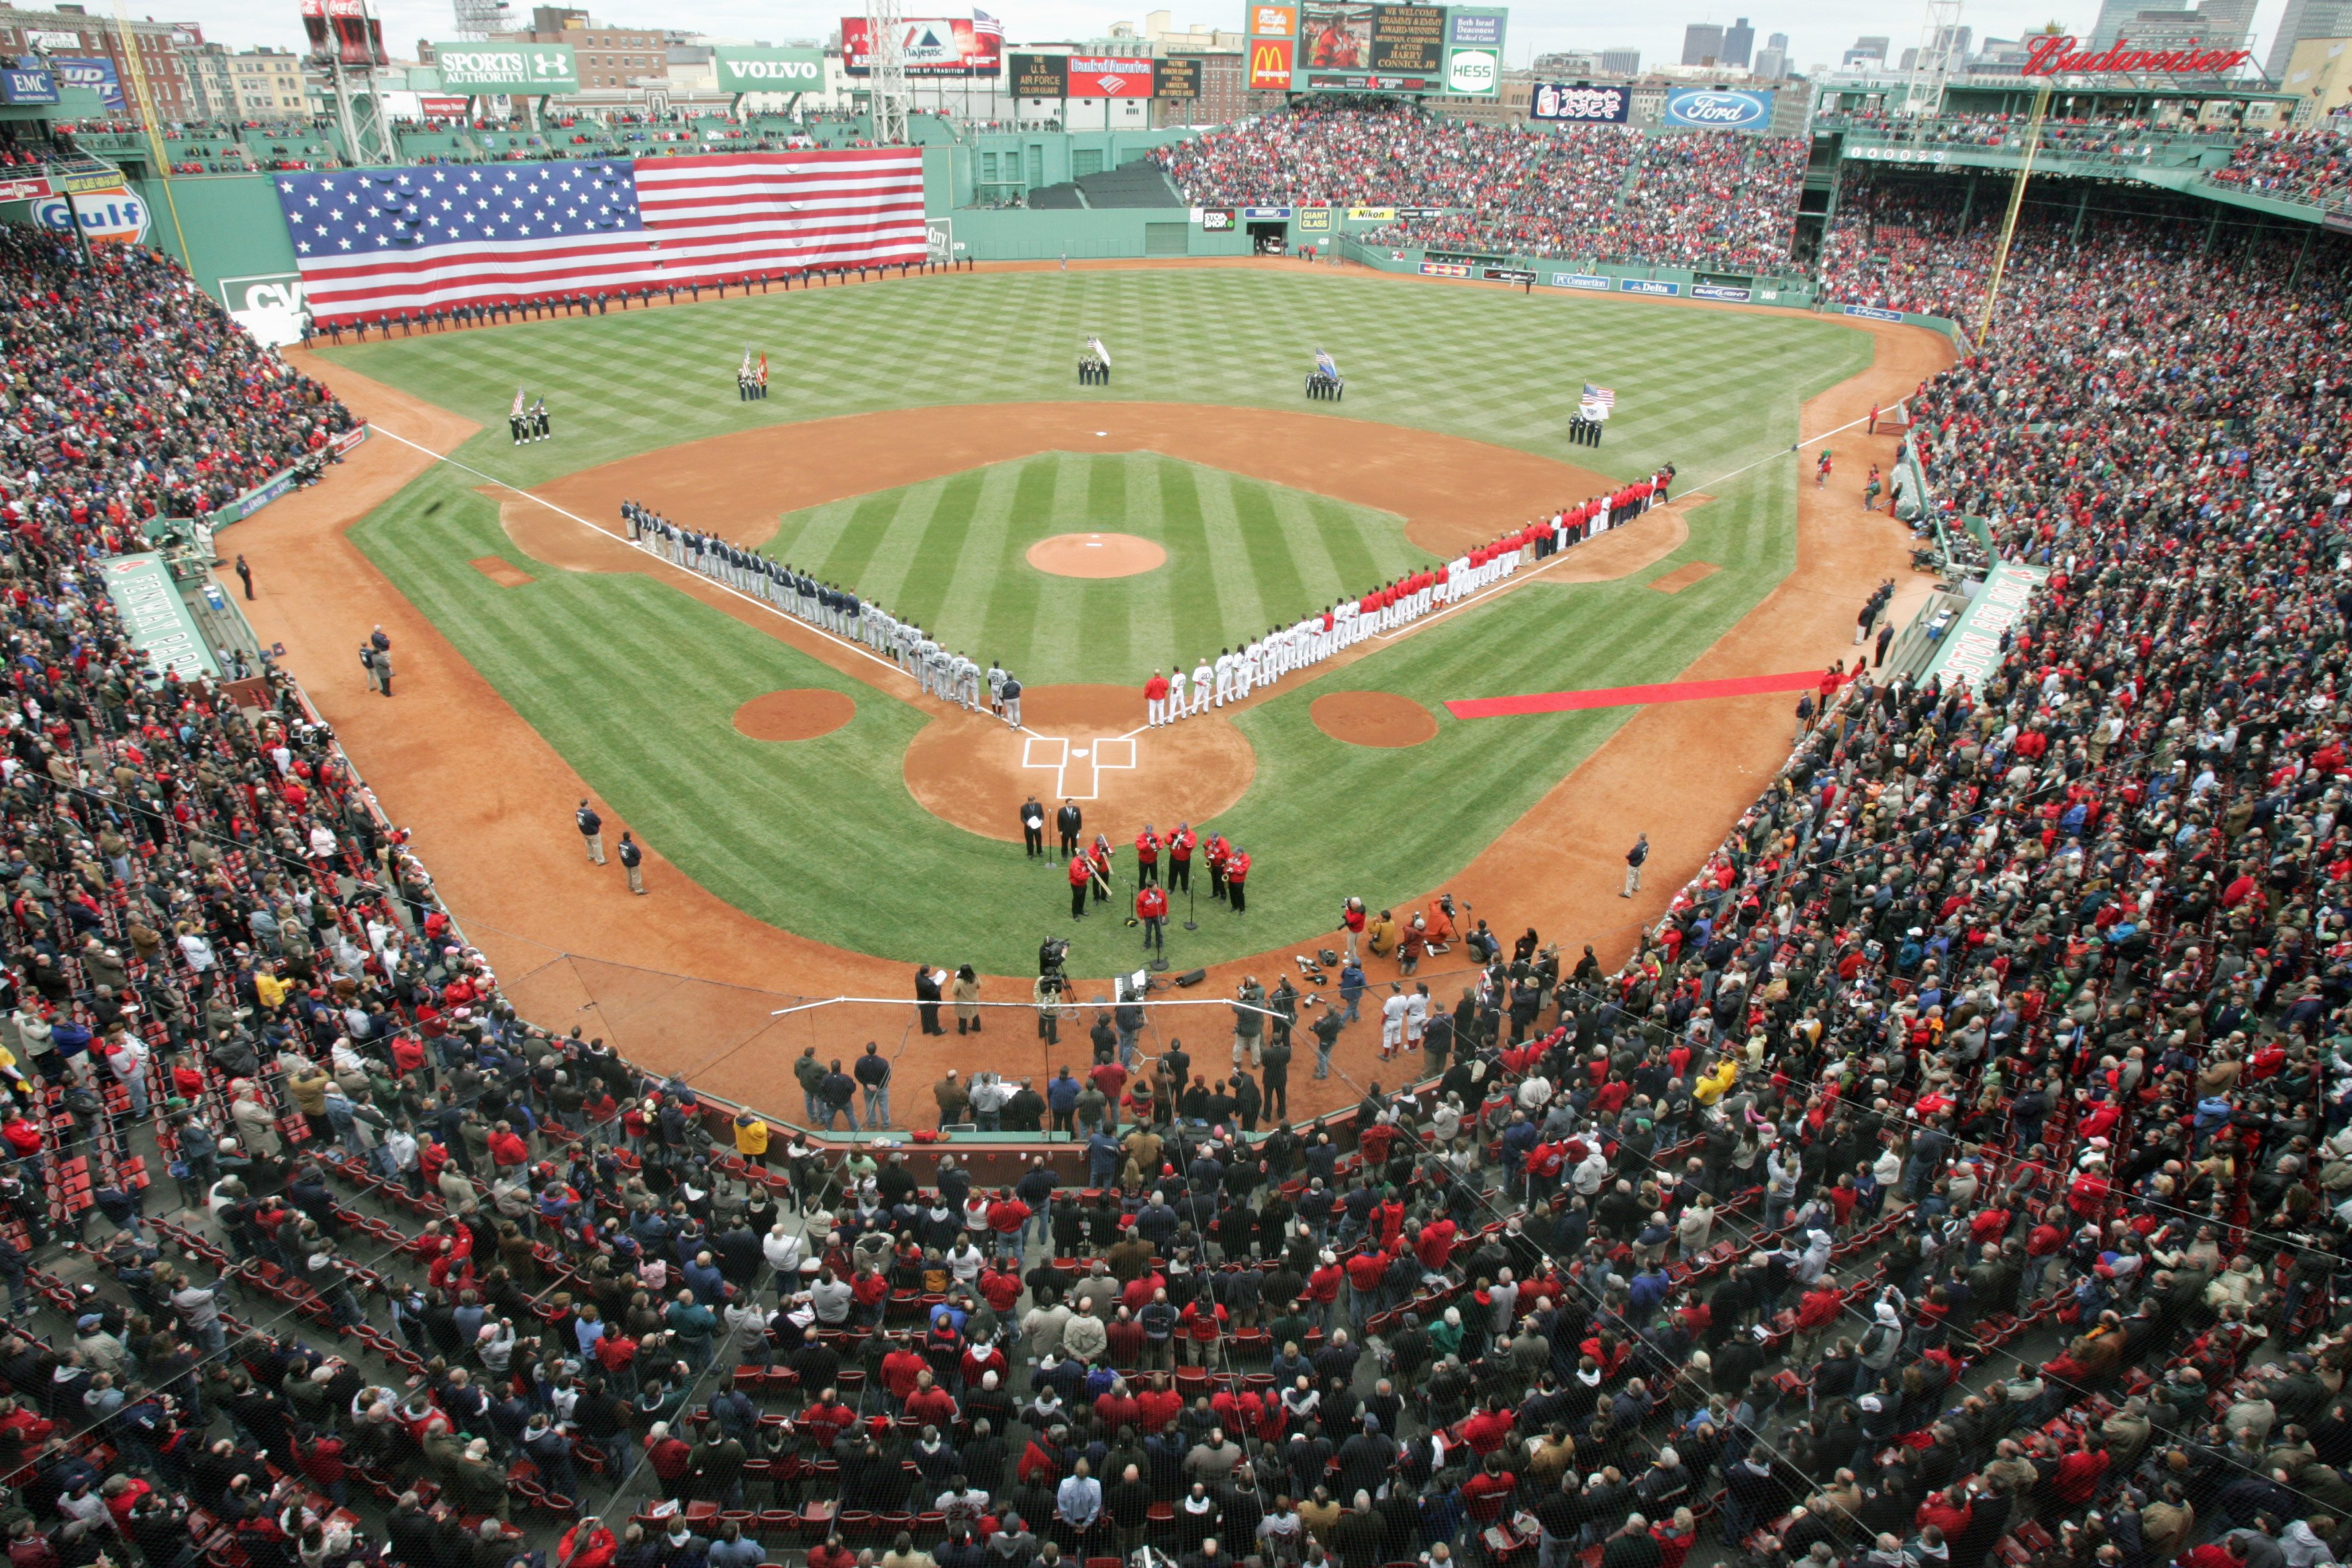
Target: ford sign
<point>1646,286</point>
<point>1729,109</point>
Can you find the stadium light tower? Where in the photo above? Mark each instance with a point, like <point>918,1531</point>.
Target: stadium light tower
<point>482,18</point>
<point>886,78</point>
<point>1937,57</point>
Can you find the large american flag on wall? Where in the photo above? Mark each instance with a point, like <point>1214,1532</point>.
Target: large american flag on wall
<point>372,242</point>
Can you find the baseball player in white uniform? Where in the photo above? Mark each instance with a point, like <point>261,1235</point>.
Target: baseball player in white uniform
<point>1225,673</point>
<point>1203,680</point>
<point>1176,693</point>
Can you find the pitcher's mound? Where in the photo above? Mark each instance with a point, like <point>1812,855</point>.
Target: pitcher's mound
<point>1088,743</point>
<point>1095,556</point>
<point>1373,719</point>
<point>802,713</point>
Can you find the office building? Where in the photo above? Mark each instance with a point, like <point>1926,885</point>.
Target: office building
<point>1703,44</point>
<point>1620,62</point>
<point>2305,19</point>
<point>2319,71</point>
<point>1772,62</point>
<point>1738,44</point>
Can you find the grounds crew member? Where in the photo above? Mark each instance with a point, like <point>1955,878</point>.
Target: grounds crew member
<point>630,857</point>
<point>1633,858</point>
<point>592,828</point>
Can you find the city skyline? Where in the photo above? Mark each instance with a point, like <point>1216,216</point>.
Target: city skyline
<point>1818,34</point>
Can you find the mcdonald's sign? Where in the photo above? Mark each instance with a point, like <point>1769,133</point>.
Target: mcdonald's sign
<point>1270,64</point>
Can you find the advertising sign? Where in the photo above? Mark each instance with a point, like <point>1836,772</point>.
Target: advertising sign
<point>439,106</point>
<point>511,68</point>
<point>1474,73</point>
<point>1736,295</point>
<point>1373,215</point>
<point>26,190</point>
<point>1176,79</point>
<point>1444,269</point>
<point>1647,286</point>
<point>928,46</point>
<point>1467,25</point>
<point>770,70</point>
<point>1038,76</point>
<point>95,72</point>
<point>359,37</point>
<point>1507,274</point>
<point>1728,109</point>
<point>2057,55</point>
<point>939,238</point>
<point>268,305</point>
<point>1873,313</point>
<point>1314,220</point>
<point>1269,66</point>
<point>1265,215</point>
<point>1580,280</point>
<point>108,218</point>
<point>1216,220</point>
<point>50,41</point>
<point>1582,105</point>
<point>28,87</point>
<point>154,617</point>
<point>1274,21</point>
<point>1110,76</point>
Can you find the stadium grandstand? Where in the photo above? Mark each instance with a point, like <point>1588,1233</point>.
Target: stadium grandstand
<point>1956,1173</point>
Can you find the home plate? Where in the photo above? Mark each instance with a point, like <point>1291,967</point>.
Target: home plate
<point>1078,751</point>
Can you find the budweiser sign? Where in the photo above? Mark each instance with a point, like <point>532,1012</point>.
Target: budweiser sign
<point>2057,55</point>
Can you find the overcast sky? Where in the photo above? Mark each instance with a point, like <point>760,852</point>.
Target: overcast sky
<point>1819,30</point>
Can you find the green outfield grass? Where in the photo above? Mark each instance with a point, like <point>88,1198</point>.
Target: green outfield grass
<point>636,684</point>
<point>916,550</point>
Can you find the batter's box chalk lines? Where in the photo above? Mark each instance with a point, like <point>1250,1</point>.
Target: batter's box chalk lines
<point>1075,764</point>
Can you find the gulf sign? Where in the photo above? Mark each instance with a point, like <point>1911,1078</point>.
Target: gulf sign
<point>1102,76</point>
<point>1269,64</point>
<point>108,218</point>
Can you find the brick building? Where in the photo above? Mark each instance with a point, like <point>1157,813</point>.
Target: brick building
<point>92,48</point>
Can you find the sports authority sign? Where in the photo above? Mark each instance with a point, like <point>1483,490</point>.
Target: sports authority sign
<point>513,69</point>
<point>2057,55</point>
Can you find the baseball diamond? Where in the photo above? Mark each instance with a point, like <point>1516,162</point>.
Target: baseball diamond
<point>926,509</point>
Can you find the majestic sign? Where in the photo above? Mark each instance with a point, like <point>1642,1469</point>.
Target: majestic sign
<point>1728,109</point>
<point>2057,55</point>
<point>928,46</point>
<point>514,69</point>
<point>1586,105</point>
<point>770,70</point>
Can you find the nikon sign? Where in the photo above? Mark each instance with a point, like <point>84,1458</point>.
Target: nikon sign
<point>514,69</point>
<point>771,70</point>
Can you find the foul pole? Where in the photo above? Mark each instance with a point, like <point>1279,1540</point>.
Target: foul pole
<point>2016,202</point>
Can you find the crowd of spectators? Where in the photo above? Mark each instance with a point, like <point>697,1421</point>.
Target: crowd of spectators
<point>1581,192</point>
<point>1958,1170</point>
<point>2301,165</point>
<point>1903,246</point>
<point>132,396</point>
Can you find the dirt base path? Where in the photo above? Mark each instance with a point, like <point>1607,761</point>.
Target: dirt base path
<point>667,979</point>
<point>1452,493</point>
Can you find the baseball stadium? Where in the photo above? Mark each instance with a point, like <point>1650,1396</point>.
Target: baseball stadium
<point>1628,795</point>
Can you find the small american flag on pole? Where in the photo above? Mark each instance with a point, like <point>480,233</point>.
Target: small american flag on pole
<point>986,25</point>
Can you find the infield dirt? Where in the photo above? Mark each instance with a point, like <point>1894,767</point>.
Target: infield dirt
<point>489,800</point>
